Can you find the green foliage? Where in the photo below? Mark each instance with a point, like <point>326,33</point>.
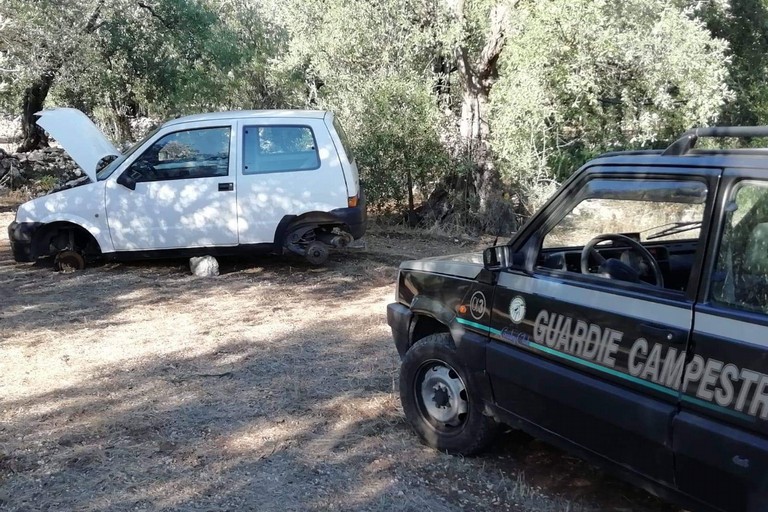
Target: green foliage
<point>369,61</point>
<point>584,76</point>
<point>744,25</point>
<point>395,130</point>
<point>573,78</point>
<point>161,58</point>
<point>47,182</point>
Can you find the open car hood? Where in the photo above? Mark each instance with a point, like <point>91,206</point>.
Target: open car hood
<point>78,136</point>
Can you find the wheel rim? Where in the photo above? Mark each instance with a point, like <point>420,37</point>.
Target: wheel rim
<point>69,261</point>
<point>441,395</point>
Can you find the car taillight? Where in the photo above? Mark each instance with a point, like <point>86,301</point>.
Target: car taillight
<point>352,201</point>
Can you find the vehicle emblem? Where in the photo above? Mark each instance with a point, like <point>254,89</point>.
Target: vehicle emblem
<point>517,310</point>
<point>477,305</point>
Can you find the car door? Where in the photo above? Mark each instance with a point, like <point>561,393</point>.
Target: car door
<point>592,359</point>
<point>721,433</point>
<point>289,166</point>
<point>184,192</point>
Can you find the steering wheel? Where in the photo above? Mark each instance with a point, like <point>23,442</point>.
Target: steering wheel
<point>616,269</point>
<point>142,170</point>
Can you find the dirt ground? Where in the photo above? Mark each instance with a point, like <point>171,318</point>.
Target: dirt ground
<point>270,387</point>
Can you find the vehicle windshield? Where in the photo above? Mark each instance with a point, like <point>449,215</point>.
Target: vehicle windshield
<point>114,164</point>
<point>645,210</point>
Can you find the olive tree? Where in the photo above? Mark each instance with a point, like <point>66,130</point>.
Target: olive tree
<point>37,41</point>
<point>643,71</point>
<point>122,56</point>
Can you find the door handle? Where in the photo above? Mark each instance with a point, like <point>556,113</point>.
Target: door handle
<point>659,333</point>
<point>226,187</point>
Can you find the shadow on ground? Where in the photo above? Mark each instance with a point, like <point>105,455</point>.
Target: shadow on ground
<point>272,387</point>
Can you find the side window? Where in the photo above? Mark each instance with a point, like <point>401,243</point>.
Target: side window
<point>200,153</point>
<point>663,217</point>
<point>279,149</point>
<point>740,279</point>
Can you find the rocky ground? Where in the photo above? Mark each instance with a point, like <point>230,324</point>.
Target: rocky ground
<point>270,387</point>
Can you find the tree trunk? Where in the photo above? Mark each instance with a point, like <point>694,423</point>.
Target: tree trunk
<point>34,96</point>
<point>32,102</point>
<point>478,78</point>
<point>123,130</point>
<point>474,133</point>
<point>473,126</point>
<point>122,124</point>
<point>413,219</point>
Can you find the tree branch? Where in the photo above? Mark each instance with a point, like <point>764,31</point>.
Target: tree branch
<point>90,26</point>
<point>462,63</point>
<point>486,64</point>
<point>154,14</point>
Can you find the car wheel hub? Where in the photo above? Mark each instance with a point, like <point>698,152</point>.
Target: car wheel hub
<point>69,261</point>
<point>444,395</point>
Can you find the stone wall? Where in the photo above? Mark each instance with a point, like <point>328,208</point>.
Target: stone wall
<point>36,172</point>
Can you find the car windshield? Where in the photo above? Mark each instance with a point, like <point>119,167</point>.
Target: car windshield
<point>114,164</point>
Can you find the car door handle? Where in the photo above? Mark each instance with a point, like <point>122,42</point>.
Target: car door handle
<point>660,333</point>
<point>226,187</point>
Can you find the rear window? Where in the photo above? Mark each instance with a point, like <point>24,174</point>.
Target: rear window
<point>279,149</point>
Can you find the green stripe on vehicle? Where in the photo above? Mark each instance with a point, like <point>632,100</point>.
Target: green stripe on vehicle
<point>609,371</point>
<point>482,327</point>
<point>716,408</point>
<point>615,373</point>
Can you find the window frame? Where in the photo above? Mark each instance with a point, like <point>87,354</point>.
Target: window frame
<point>531,235</point>
<point>243,165</point>
<point>730,191</point>
<point>149,144</point>
<point>584,196</point>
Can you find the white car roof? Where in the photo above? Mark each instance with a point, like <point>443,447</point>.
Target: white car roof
<point>249,114</point>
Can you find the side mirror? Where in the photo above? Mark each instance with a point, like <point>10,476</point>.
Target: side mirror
<point>126,181</point>
<point>501,256</point>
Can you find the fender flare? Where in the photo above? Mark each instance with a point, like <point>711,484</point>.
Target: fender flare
<point>469,345</point>
<point>102,237</point>
<point>309,219</point>
<point>430,307</point>
<point>427,317</point>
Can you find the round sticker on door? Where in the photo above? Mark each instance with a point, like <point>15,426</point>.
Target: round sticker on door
<point>477,305</point>
<point>517,310</point>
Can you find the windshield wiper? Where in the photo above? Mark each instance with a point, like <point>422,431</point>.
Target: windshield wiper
<point>675,228</point>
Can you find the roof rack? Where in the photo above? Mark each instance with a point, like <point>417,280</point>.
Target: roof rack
<point>686,143</point>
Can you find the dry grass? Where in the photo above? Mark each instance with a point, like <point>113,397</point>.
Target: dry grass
<point>271,387</point>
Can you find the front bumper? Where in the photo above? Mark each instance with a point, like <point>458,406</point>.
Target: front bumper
<point>21,234</point>
<point>399,319</point>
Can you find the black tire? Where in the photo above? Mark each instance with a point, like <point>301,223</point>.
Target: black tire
<point>69,261</point>
<point>452,419</point>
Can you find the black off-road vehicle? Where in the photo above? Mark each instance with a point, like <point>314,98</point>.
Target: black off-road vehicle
<point>627,321</point>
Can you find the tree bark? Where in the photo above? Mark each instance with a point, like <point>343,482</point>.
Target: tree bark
<point>478,78</point>
<point>121,109</point>
<point>32,102</point>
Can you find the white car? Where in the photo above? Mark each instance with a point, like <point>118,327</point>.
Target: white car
<point>209,184</point>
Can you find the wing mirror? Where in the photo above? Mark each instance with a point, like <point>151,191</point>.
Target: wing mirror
<point>501,256</point>
<point>127,181</point>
